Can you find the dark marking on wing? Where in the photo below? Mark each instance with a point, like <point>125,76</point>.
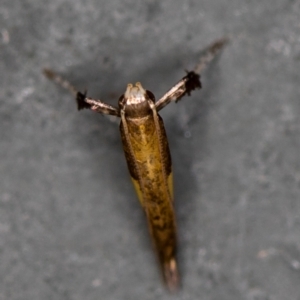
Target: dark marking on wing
<point>128,155</point>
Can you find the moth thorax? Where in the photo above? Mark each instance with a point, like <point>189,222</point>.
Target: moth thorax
<point>135,101</point>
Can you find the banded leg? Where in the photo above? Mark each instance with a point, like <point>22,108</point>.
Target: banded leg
<point>191,81</point>
<point>81,99</point>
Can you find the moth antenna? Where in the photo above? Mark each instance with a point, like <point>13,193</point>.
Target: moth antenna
<point>210,53</point>
<point>60,81</point>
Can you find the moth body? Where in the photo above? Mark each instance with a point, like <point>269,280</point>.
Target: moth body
<point>149,162</point>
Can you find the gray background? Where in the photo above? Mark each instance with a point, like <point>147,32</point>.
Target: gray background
<point>70,224</point>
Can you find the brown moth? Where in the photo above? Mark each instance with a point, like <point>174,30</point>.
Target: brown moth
<point>147,153</point>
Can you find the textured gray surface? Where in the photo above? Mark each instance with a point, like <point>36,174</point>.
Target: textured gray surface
<point>70,224</point>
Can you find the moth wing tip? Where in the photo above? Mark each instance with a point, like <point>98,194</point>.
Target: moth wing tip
<point>171,275</point>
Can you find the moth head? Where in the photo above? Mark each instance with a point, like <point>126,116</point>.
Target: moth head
<point>136,101</point>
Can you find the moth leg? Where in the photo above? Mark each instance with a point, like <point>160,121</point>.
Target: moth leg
<point>81,99</point>
<point>191,81</point>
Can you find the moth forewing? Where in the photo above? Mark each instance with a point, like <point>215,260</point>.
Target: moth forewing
<point>149,162</point>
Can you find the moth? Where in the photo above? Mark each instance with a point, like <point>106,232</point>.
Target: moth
<point>147,152</point>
